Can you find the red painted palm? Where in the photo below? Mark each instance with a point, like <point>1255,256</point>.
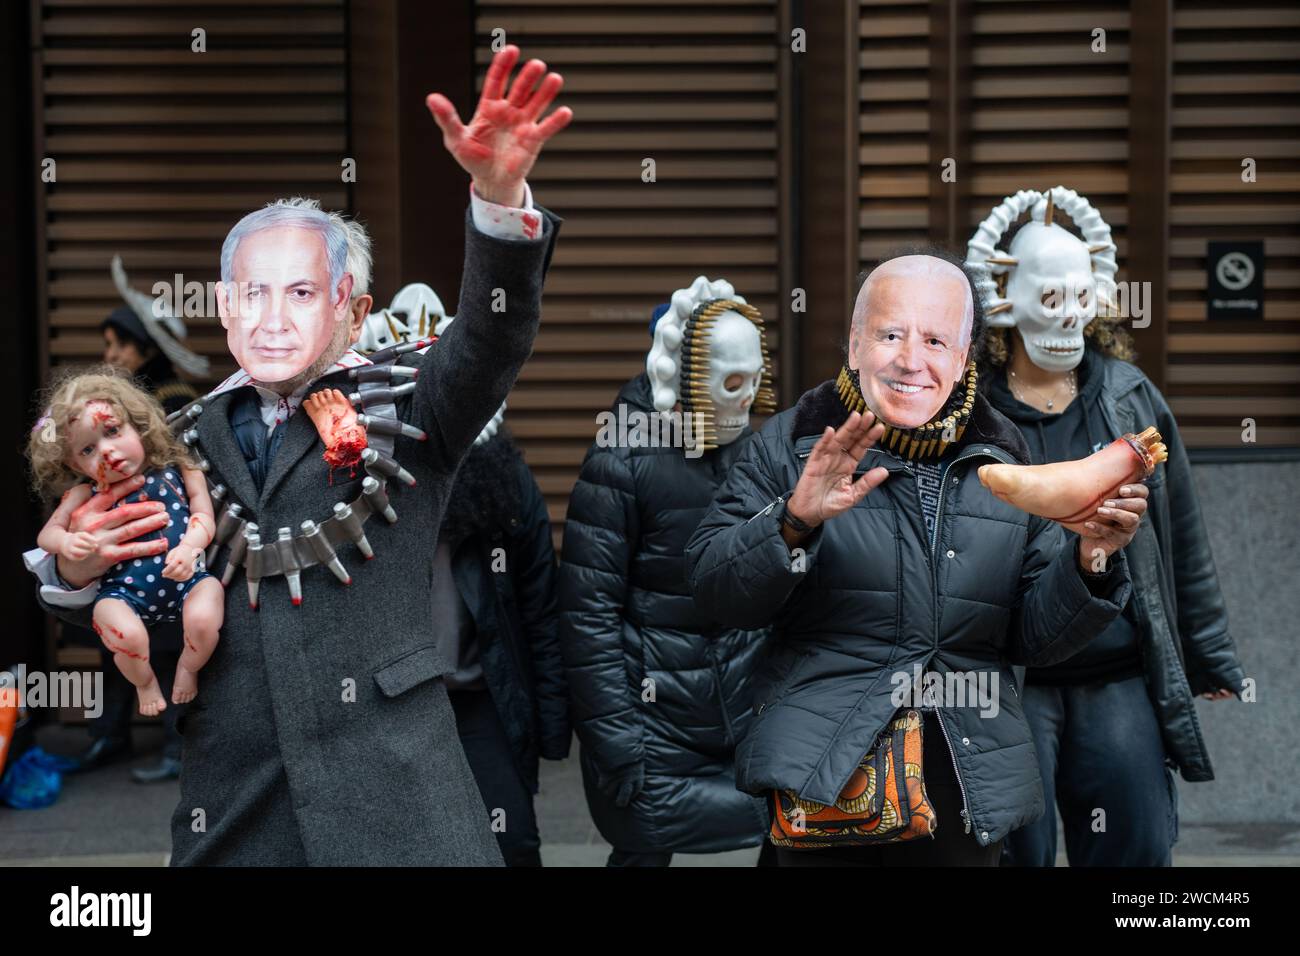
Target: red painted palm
<point>506,133</point>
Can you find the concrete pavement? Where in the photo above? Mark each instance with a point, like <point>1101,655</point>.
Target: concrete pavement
<point>105,819</point>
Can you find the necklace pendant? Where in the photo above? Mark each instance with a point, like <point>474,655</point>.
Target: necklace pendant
<point>1049,406</point>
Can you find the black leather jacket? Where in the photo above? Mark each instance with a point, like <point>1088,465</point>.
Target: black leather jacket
<point>1186,647</point>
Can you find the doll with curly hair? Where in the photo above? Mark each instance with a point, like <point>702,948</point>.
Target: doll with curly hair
<point>99,429</point>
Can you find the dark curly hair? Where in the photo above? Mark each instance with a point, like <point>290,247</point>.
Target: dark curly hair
<point>485,494</point>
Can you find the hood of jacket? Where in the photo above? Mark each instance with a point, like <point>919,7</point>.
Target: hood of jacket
<point>635,394</point>
<point>1091,383</point>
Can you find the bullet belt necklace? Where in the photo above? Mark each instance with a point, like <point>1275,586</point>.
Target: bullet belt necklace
<point>316,542</point>
<point>925,441</point>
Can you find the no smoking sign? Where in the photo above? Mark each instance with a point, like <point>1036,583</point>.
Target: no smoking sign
<point>1235,280</point>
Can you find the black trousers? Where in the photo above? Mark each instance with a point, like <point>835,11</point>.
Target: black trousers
<point>1099,746</point>
<point>950,846</point>
<point>505,794</point>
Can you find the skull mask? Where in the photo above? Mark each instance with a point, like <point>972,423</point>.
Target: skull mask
<point>1053,295</point>
<point>1051,284</point>
<point>709,360</point>
<point>416,312</point>
<point>412,314</point>
<point>735,373</point>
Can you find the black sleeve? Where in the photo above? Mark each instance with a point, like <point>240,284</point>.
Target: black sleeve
<point>1059,608</point>
<point>600,537</point>
<point>467,374</point>
<point>1208,648</point>
<point>534,578</point>
<point>738,565</point>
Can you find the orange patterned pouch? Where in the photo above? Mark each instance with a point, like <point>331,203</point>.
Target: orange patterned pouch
<point>883,802</point>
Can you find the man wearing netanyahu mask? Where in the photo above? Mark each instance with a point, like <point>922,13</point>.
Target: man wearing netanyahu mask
<point>322,732</point>
<point>901,591</point>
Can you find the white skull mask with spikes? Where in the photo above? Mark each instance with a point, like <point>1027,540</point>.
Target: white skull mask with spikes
<point>413,314</point>
<point>420,307</point>
<point>416,312</point>
<point>1050,284</point>
<point>709,354</point>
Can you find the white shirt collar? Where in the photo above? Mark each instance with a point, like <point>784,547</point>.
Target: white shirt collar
<point>349,359</point>
<point>277,408</point>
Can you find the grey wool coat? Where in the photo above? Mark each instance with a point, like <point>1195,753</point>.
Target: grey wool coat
<point>279,768</point>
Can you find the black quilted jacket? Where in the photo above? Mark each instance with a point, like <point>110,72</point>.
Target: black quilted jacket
<point>873,596</point>
<point>661,692</point>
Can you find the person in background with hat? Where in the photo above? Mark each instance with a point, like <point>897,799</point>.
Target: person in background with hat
<point>147,341</point>
<point>127,346</point>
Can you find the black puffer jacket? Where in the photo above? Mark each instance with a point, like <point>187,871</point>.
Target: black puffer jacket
<point>627,618</point>
<point>496,504</point>
<point>872,596</point>
<point>1183,623</point>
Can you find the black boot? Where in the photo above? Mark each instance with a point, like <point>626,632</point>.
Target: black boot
<point>168,768</point>
<point>102,752</point>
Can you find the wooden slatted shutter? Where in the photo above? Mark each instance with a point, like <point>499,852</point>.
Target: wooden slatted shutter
<point>1236,76</point>
<point>693,87</point>
<point>1044,109</point>
<point>1050,107</point>
<point>895,174</point>
<point>159,150</point>
<point>1047,109</point>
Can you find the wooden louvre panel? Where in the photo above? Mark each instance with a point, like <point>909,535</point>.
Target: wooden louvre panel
<point>159,149</point>
<point>895,177</point>
<point>1048,109</point>
<point>692,87</point>
<point>1044,110</point>
<point>1236,76</point>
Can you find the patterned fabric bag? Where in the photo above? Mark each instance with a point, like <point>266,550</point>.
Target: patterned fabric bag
<point>883,802</point>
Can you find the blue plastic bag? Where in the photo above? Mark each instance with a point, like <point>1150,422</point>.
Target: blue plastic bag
<point>34,780</point>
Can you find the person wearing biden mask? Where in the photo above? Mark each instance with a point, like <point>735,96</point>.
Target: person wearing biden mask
<point>322,733</point>
<point>855,524</point>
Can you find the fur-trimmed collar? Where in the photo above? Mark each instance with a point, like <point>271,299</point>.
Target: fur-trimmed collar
<point>821,406</point>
